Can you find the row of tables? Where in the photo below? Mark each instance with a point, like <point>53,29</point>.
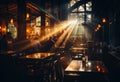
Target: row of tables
<point>76,65</point>
<point>90,67</point>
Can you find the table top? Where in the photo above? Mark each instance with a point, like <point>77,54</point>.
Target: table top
<point>78,66</point>
<point>78,49</point>
<point>38,55</point>
<point>8,52</point>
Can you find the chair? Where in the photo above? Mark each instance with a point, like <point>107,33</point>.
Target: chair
<point>71,77</point>
<point>65,60</point>
<point>68,77</point>
<point>45,70</point>
<point>57,71</point>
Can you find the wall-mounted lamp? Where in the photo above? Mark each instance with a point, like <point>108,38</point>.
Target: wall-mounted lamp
<point>104,20</point>
<point>99,25</point>
<point>27,16</point>
<point>11,21</point>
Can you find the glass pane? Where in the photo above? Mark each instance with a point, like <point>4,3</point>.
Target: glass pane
<point>89,17</point>
<point>81,8</point>
<point>89,6</point>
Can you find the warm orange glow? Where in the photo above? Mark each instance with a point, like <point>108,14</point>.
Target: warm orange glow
<point>98,68</point>
<point>29,6</point>
<point>104,20</point>
<point>60,26</point>
<point>11,21</point>
<point>95,30</point>
<point>27,16</point>
<point>4,29</point>
<point>47,15</point>
<point>38,55</point>
<point>28,31</point>
<point>47,23</point>
<point>67,32</point>
<point>99,25</point>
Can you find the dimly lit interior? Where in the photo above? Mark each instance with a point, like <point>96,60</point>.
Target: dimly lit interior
<point>59,40</point>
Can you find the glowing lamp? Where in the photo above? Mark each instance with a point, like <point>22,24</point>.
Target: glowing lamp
<point>99,25</point>
<point>104,20</point>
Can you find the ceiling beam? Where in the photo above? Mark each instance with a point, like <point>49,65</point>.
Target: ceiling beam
<point>77,4</point>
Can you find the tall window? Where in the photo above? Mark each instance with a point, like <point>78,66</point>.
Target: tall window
<point>82,12</point>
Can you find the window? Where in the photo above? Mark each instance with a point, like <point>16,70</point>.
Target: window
<point>82,13</point>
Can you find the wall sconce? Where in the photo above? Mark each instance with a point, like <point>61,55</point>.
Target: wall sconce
<point>27,16</point>
<point>11,21</point>
<point>104,20</point>
<point>99,25</point>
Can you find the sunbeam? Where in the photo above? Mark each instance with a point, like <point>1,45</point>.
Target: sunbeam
<point>55,30</point>
<point>64,37</point>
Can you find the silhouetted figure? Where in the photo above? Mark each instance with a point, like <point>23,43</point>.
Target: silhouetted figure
<point>3,43</point>
<point>10,40</point>
<point>49,44</point>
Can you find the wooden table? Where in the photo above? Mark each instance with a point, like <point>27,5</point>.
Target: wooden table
<point>92,71</point>
<point>78,49</point>
<point>77,66</point>
<point>38,55</point>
